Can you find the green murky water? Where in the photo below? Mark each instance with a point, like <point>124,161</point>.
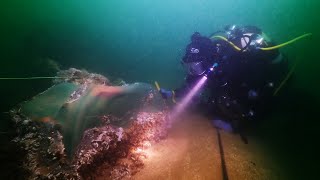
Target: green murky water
<point>143,41</point>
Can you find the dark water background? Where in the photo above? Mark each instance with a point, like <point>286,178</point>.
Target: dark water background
<point>143,41</point>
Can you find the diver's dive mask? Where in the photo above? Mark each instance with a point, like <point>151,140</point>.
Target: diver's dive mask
<point>195,63</point>
<point>198,55</point>
<point>195,68</point>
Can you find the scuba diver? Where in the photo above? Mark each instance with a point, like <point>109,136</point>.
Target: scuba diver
<point>242,73</point>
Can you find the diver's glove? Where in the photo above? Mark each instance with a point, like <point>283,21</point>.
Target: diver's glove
<point>166,94</point>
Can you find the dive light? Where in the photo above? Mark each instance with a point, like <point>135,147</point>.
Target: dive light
<point>210,70</point>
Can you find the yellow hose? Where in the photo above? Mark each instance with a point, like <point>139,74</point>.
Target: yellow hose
<point>225,39</point>
<point>266,48</point>
<point>286,43</point>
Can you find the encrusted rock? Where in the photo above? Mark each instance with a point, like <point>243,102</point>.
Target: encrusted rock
<point>44,150</point>
<point>105,150</point>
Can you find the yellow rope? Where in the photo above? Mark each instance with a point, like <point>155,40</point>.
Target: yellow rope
<point>30,78</point>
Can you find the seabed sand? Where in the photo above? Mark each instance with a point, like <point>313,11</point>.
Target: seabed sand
<point>191,151</point>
